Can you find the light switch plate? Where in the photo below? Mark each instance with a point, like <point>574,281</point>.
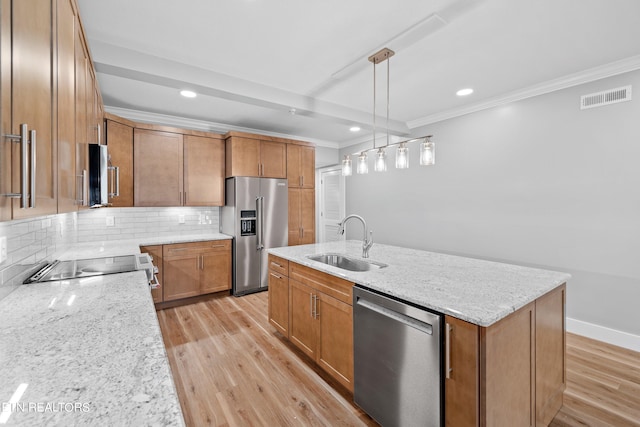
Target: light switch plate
<point>3,249</point>
<point>111,221</point>
<point>180,219</point>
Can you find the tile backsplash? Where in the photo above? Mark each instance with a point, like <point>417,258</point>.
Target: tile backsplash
<point>32,242</point>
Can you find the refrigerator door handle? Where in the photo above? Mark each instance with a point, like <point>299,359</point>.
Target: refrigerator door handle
<point>260,223</point>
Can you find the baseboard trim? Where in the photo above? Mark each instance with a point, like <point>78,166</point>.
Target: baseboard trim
<point>601,333</point>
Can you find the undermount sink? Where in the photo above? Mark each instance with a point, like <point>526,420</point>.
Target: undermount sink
<point>346,262</point>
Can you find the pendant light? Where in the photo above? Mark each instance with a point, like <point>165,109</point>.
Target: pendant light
<point>346,166</point>
<point>427,152</point>
<point>380,164</point>
<point>402,156</point>
<point>363,166</point>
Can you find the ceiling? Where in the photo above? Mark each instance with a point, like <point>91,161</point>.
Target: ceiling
<point>253,62</point>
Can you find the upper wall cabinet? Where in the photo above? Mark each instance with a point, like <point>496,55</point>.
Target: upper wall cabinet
<point>173,169</point>
<point>28,108</point>
<point>255,157</point>
<point>301,166</point>
<point>119,137</point>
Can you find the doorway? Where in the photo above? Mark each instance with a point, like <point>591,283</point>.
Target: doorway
<point>331,203</point>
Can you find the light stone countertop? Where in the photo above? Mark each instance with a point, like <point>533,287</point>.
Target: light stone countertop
<point>477,291</point>
<point>93,342</point>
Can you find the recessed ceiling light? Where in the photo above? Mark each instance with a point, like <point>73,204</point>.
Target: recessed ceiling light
<point>354,128</point>
<point>464,92</point>
<point>188,93</point>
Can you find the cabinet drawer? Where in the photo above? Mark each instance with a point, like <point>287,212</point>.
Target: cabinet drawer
<point>339,289</point>
<point>182,249</point>
<point>279,265</point>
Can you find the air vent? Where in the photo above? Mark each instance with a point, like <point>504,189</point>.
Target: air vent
<point>611,96</point>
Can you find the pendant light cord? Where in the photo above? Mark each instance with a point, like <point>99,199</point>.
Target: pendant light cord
<point>388,60</point>
<point>374,104</point>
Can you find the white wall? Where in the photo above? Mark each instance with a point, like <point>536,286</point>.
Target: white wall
<point>536,182</point>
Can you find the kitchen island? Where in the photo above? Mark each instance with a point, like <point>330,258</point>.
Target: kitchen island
<point>505,324</point>
<point>88,351</point>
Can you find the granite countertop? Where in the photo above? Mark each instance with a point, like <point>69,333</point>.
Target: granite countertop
<point>89,350</point>
<point>477,291</point>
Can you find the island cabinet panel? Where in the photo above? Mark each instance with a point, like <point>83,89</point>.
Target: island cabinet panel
<point>156,253</point>
<point>192,269</point>
<point>120,142</point>
<point>279,294</point>
<point>320,314</point>
<point>550,354</point>
<point>510,373</point>
<point>507,370</point>
<point>462,383</point>
<point>158,168</point>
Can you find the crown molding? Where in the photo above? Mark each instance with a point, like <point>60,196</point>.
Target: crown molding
<point>592,74</point>
<point>203,125</point>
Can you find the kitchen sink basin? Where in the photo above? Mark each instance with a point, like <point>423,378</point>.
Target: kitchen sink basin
<point>346,262</point>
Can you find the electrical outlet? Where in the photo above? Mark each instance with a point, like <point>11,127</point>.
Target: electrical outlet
<point>180,219</point>
<point>3,249</point>
<point>111,221</point>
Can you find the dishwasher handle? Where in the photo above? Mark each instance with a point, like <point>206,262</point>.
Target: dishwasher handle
<point>394,315</point>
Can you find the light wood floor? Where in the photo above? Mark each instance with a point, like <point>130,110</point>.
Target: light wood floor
<point>232,369</point>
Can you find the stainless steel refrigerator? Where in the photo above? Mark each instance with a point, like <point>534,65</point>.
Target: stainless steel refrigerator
<point>256,215</point>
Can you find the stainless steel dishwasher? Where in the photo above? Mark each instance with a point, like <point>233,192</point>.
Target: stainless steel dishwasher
<point>397,361</point>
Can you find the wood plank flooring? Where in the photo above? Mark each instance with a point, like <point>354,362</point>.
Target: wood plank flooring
<point>232,369</point>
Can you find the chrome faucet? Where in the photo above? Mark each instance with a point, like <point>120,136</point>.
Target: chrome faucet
<point>367,242</point>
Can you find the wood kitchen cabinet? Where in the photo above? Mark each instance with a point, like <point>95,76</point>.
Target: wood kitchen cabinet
<point>255,157</point>
<point>119,137</point>
<point>301,166</point>
<point>197,268</point>
<point>157,168</point>
<point>279,294</point>
<point>302,219</point>
<point>321,320</point>
<point>510,373</point>
<point>204,164</point>
<point>28,99</point>
<point>156,253</point>
<point>172,169</point>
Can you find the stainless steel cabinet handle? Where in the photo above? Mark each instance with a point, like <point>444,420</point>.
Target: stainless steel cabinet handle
<point>99,134</point>
<point>276,264</point>
<point>21,139</point>
<point>447,350</point>
<point>32,134</point>
<point>276,276</point>
<point>315,306</point>
<point>114,176</point>
<point>311,305</point>
<point>84,201</point>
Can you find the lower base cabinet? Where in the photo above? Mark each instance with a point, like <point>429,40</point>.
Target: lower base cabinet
<point>510,373</point>
<point>319,316</point>
<point>191,269</point>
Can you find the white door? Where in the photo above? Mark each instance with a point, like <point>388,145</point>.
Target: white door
<point>331,204</point>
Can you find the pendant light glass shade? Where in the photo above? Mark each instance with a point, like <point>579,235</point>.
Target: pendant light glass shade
<point>346,166</point>
<point>402,156</point>
<point>363,166</point>
<point>427,153</point>
<point>381,161</point>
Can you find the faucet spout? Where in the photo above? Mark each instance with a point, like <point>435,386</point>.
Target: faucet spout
<point>367,239</point>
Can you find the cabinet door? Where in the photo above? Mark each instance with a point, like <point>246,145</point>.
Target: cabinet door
<point>294,216</point>
<point>120,142</point>
<point>308,167</point>
<point>242,157</point>
<point>156,253</point>
<point>215,267</point>
<point>5,108</point>
<point>462,386</point>
<point>335,342</point>
<point>181,274</point>
<point>82,137</point>
<point>303,327</point>
<point>294,177</point>
<point>158,168</point>
<point>32,98</point>
<point>307,216</point>
<point>65,107</point>
<point>203,171</point>
<point>279,302</point>
<point>273,159</point>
